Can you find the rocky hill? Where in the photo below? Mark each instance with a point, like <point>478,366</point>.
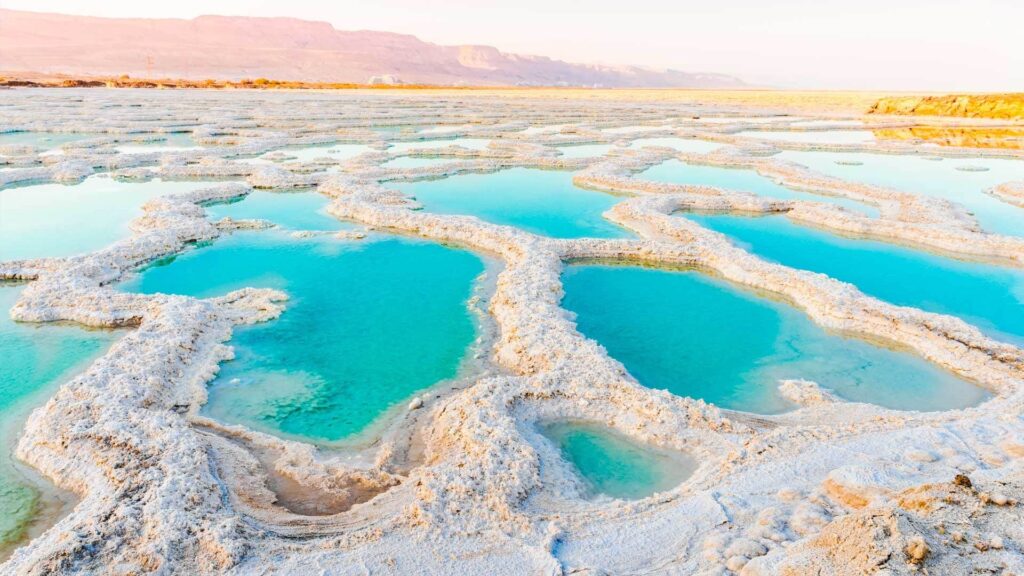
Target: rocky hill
<point>233,48</point>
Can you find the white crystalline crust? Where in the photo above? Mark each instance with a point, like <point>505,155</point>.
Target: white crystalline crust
<point>462,482</point>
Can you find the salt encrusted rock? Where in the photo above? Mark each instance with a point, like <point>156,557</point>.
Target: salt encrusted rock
<point>805,393</point>
<point>227,224</point>
<point>1009,192</point>
<point>70,171</point>
<point>350,235</point>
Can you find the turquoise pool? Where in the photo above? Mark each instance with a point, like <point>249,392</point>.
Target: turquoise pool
<point>697,336</point>
<point>369,324</point>
<point>540,201</point>
<point>938,178</point>
<point>990,297</point>
<point>612,465</point>
<point>740,180</point>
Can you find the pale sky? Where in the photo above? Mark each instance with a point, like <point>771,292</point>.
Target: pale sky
<point>946,45</point>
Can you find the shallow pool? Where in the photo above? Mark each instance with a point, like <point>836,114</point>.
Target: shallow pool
<point>680,144</point>
<point>43,140</point>
<point>938,178</point>
<point>741,180</point>
<point>37,358</point>
<point>611,464</point>
<point>705,338</point>
<point>295,210</point>
<point>369,324</point>
<point>56,220</point>
<point>539,201</point>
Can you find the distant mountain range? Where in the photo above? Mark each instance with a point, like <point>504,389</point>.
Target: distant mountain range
<point>232,48</point>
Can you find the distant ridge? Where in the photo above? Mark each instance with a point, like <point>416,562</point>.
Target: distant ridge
<point>229,47</point>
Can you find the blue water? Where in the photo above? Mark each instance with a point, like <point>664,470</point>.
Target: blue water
<point>43,140</point>
<point>940,179</point>
<point>50,220</point>
<point>539,201</point>
<point>613,465</point>
<point>988,296</point>
<point>295,210</point>
<point>696,336</point>
<point>680,144</point>
<point>369,324</point>
<point>740,180</point>
<point>36,358</point>
<point>333,151</point>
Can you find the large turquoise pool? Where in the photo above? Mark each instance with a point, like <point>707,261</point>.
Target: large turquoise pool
<point>368,325</point>
<point>701,337</point>
<point>540,201</point>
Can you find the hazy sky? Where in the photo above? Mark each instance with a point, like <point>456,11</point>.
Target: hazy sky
<point>891,44</point>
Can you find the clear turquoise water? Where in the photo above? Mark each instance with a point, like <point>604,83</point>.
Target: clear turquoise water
<point>814,137</point>
<point>298,210</point>
<point>940,179</point>
<point>681,144</point>
<point>701,337</point>
<point>44,140</point>
<point>36,358</point>
<point>988,296</point>
<point>676,172</point>
<point>615,466</point>
<point>53,220</point>
<point>539,201</point>
<point>369,324</point>
<point>585,150</point>
<point>414,162</point>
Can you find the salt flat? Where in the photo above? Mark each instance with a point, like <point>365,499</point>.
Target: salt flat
<point>459,471</point>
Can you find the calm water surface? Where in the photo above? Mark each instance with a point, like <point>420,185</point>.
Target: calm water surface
<point>369,324</point>
<point>613,465</point>
<point>990,297</point>
<point>739,180</point>
<point>701,337</point>
<point>938,178</point>
<point>540,201</point>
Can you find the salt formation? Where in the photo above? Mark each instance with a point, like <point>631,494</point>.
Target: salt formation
<point>461,482</point>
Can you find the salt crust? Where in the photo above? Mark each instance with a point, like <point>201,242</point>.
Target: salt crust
<point>829,487</point>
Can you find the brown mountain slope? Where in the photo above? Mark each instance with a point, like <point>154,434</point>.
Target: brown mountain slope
<point>287,48</point>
